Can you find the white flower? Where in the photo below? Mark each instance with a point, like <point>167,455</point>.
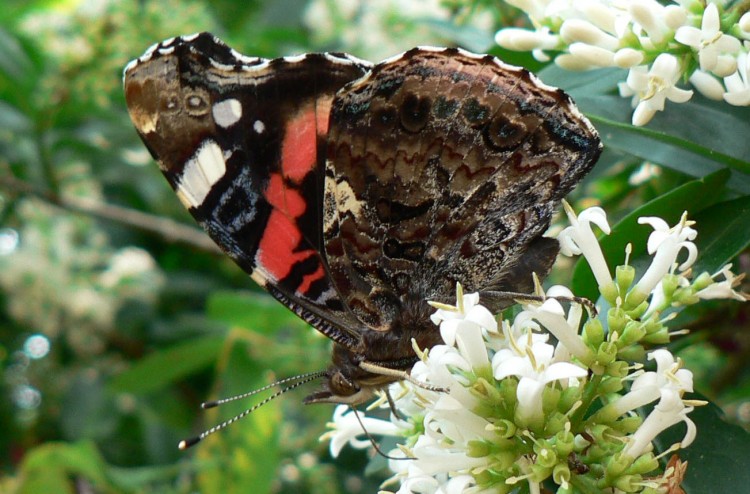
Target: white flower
<point>651,17</point>
<point>535,370</point>
<point>708,85</point>
<point>711,43</point>
<point>666,243</point>
<point>462,326</point>
<point>649,386</point>
<point>345,429</point>
<point>724,289</point>
<point>738,84</point>
<point>578,238</point>
<point>551,315</point>
<point>650,88</point>
<point>581,31</point>
<point>519,39</point>
<point>669,411</point>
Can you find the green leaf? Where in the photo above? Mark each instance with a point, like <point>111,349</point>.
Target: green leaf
<point>164,367</point>
<point>245,456</point>
<point>251,310</point>
<point>718,458</point>
<point>52,466</point>
<point>723,233</point>
<point>698,137</point>
<point>693,197</point>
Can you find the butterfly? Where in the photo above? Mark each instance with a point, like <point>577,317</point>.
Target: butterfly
<point>354,193</point>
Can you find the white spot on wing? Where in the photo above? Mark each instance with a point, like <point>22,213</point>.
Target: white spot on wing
<point>167,42</point>
<point>166,51</point>
<point>190,37</point>
<point>201,173</point>
<point>295,58</point>
<point>259,127</point>
<point>227,113</point>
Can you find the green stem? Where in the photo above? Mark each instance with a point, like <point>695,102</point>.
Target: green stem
<point>589,395</point>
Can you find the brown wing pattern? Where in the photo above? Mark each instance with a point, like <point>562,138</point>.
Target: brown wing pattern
<point>445,166</point>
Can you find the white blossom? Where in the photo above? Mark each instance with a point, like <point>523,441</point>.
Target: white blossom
<point>666,243</point>
<point>651,87</point>
<point>738,84</point>
<point>711,43</point>
<point>345,429</point>
<point>669,411</point>
<point>648,387</point>
<point>725,288</point>
<point>707,84</point>
<point>535,370</point>
<point>579,238</point>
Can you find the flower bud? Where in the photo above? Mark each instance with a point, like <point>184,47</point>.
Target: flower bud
<point>606,353</point>
<point>708,85</point>
<point>610,385</point>
<point>564,443</point>
<point>624,275</point>
<point>644,464</point>
<point>629,483</point>
<point>616,320</point>
<point>702,281</point>
<point>545,455</point>
<point>745,22</point>
<point>633,353</point>
<point>572,62</point>
<point>593,332</point>
<point>595,56</point>
<point>579,30</point>
<point>561,475</point>
<point>632,333</point>
<point>626,58</point>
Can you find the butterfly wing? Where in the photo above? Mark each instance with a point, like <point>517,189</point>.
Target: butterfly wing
<point>445,166</point>
<point>242,142</point>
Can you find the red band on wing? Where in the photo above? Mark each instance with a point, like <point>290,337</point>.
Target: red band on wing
<point>278,250</point>
<point>299,148</point>
<point>286,200</point>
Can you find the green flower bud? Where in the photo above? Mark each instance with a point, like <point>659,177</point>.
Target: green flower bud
<point>624,276</point>
<point>702,281</point>
<point>561,474</point>
<point>606,353</point>
<point>593,332</point>
<point>545,455</point>
<point>616,319</point>
<point>644,464</point>
<point>504,428</point>
<point>629,483</point>
<point>637,311</point>
<point>610,385</point>
<point>660,337</point>
<point>632,333</point>
<point>633,353</point>
<point>564,443</point>
<point>669,284</point>
<point>478,449</point>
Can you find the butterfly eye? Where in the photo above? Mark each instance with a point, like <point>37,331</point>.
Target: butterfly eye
<point>170,104</point>
<point>342,385</point>
<point>196,104</point>
<point>502,133</point>
<point>415,112</point>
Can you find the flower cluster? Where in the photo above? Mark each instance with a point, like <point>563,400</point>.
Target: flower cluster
<point>659,45</point>
<point>550,397</point>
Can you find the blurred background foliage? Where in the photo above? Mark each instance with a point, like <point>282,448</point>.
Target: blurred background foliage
<point>118,317</point>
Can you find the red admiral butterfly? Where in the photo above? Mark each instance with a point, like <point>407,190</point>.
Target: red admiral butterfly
<point>355,192</point>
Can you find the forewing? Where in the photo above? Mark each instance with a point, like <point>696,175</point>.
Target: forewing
<point>445,166</point>
<point>242,142</point>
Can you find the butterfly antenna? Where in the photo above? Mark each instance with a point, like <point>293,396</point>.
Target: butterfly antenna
<point>299,381</point>
<point>372,439</point>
